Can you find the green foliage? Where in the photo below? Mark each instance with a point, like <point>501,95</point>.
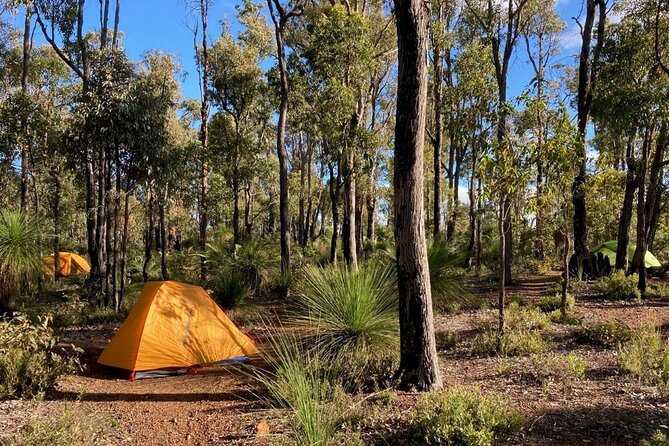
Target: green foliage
<point>521,335</point>
<point>549,304</point>
<point>20,259</point>
<point>528,317</point>
<point>512,342</point>
<point>446,340</point>
<point>351,310</point>
<point>659,438</point>
<point>231,289</point>
<point>659,291</point>
<point>30,361</point>
<point>295,381</point>
<point>68,429</point>
<point>645,356</point>
<point>558,368</point>
<point>464,417</point>
<point>354,315</point>
<point>619,286</point>
<point>449,292</point>
<point>606,334</point>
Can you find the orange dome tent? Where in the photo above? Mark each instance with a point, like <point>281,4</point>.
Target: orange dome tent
<point>174,326</point>
<point>70,264</point>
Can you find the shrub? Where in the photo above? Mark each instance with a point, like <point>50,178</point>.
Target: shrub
<point>566,319</point>
<point>449,292</point>
<point>645,357</point>
<point>68,429</point>
<point>295,381</point>
<point>619,286</point>
<point>230,289</point>
<point>446,340</point>
<point>659,438</point>
<point>354,315</point>
<point>256,262</point>
<point>659,291</point>
<point>512,342</point>
<point>351,310</point>
<point>559,368</point>
<point>607,334</point>
<point>525,317</point>
<point>19,255</point>
<point>30,362</point>
<point>549,304</point>
<point>463,417</point>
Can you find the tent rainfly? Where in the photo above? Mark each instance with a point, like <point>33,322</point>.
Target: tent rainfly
<point>70,264</point>
<point>172,327</point>
<point>609,250</point>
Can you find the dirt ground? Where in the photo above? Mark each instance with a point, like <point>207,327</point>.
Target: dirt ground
<point>221,406</point>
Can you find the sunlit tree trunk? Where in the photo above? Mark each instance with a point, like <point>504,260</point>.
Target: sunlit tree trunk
<point>419,368</point>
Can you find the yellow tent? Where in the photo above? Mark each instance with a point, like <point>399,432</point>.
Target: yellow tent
<point>174,325</point>
<point>70,264</point>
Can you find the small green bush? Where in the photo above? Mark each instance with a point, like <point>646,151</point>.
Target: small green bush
<point>30,362</point>
<point>607,334</point>
<point>446,340</point>
<point>619,286</point>
<point>645,357</point>
<point>549,304</point>
<point>520,318</point>
<point>659,291</point>
<point>659,438</point>
<point>462,417</point>
<point>512,343</point>
<point>68,429</point>
<point>559,368</point>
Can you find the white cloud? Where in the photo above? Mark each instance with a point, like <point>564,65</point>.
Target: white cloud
<point>570,38</point>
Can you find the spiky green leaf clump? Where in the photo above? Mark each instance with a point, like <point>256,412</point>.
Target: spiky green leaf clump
<point>352,311</point>
<point>19,253</point>
<point>295,380</point>
<point>448,290</point>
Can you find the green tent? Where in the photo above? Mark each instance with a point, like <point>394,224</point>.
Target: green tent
<point>609,250</point>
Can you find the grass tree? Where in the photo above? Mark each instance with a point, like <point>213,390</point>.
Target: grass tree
<point>19,255</point>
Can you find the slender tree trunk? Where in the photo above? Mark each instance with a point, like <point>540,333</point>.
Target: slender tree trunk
<point>438,122</point>
<point>627,208</point>
<point>148,241</point>
<point>473,199</point>
<point>117,229</point>
<point>117,18</point>
<point>163,235</point>
<point>565,273</point>
<point>501,303</point>
<point>56,225</point>
<point>349,242</point>
<point>124,247</point>
<point>638,261</point>
<point>284,212</point>
<point>24,122</point>
<point>334,200</point>
<point>655,186</point>
<point>455,189</point>
<point>204,136</point>
<point>108,230</point>
<point>586,84</point>
<point>419,368</point>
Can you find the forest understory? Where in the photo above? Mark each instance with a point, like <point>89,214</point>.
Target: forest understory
<point>222,405</point>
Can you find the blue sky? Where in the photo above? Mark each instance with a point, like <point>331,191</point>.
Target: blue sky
<point>164,25</point>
